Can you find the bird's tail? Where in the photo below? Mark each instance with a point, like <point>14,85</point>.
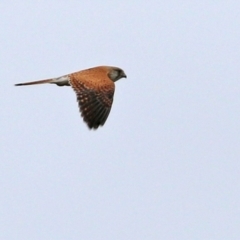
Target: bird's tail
<point>35,82</point>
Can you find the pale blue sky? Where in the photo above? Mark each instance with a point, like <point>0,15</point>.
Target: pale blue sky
<point>166,165</point>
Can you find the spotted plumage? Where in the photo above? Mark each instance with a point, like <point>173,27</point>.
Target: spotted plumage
<point>94,88</point>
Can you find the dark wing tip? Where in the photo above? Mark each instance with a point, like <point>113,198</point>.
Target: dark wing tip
<point>95,115</point>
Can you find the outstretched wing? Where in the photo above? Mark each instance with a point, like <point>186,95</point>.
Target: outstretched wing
<point>95,98</point>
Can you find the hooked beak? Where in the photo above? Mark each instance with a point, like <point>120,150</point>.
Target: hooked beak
<point>124,75</point>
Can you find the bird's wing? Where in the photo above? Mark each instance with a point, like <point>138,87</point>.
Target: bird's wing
<point>94,96</point>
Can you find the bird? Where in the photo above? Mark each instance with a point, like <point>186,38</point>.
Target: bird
<point>94,88</point>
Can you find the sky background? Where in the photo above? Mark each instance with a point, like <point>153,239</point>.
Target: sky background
<point>166,165</point>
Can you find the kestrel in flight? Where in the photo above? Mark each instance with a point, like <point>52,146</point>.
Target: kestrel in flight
<point>94,88</point>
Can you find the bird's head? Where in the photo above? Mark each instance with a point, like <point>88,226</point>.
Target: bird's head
<point>115,73</point>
